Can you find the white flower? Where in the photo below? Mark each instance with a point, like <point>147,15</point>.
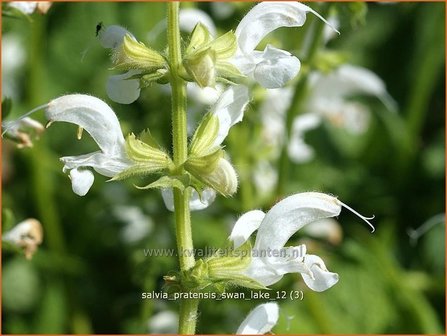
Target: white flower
<point>27,235</point>
<point>260,320</point>
<point>270,259</point>
<point>272,68</point>
<point>99,120</point>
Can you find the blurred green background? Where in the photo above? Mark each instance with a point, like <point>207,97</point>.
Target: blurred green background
<point>89,273</point>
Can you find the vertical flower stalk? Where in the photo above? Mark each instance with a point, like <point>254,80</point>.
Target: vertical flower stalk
<point>188,308</point>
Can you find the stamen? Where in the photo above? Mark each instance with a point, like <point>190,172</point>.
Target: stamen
<point>80,130</point>
<point>49,123</point>
<point>364,218</point>
<point>10,124</point>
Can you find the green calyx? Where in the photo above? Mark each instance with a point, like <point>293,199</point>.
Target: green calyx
<point>224,269</point>
<point>205,135</point>
<point>206,60</point>
<point>135,55</point>
<point>147,156</point>
<point>206,161</point>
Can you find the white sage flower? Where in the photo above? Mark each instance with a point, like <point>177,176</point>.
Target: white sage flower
<point>273,67</point>
<point>270,259</point>
<point>27,235</point>
<point>260,320</point>
<point>96,118</point>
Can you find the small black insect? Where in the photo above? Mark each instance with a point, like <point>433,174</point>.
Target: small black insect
<point>98,28</point>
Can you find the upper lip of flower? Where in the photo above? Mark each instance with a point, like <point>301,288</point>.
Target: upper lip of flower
<point>273,67</point>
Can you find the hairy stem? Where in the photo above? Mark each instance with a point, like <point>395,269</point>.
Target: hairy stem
<point>188,308</point>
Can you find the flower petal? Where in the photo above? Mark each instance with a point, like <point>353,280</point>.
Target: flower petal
<point>269,265</point>
<point>197,203</point>
<point>123,90</point>
<point>276,67</point>
<point>230,110</point>
<point>321,278</point>
<point>260,320</point>
<point>81,181</point>
<point>291,214</point>
<point>268,16</point>
<point>245,226</point>
<point>104,164</point>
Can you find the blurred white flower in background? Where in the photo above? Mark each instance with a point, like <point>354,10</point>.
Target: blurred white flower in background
<point>13,60</point>
<point>164,322</point>
<point>329,100</point>
<point>29,7</point>
<point>137,224</point>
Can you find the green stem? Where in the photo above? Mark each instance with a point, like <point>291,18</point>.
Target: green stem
<point>188,308</point>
